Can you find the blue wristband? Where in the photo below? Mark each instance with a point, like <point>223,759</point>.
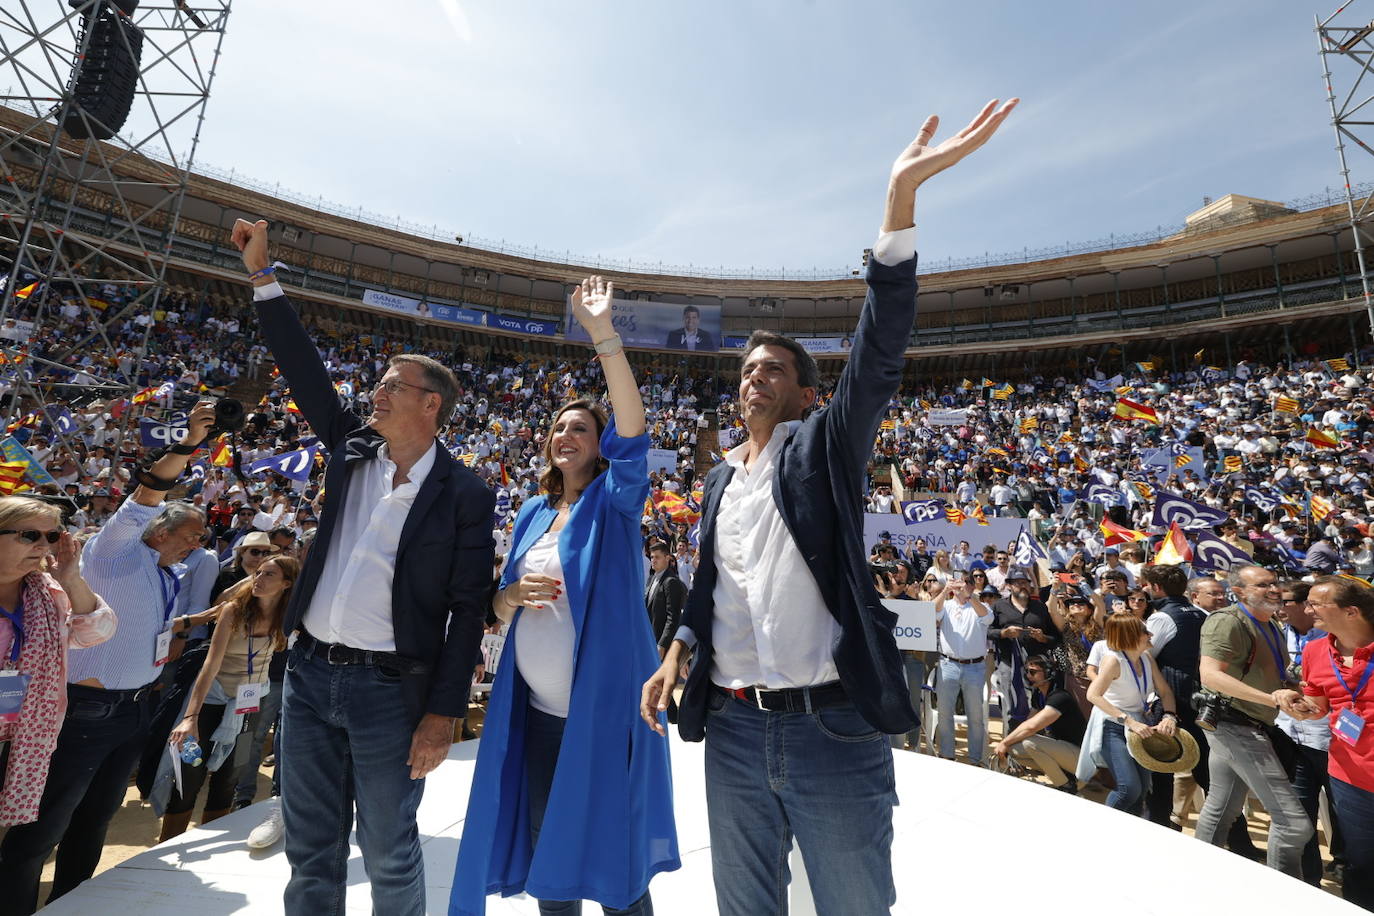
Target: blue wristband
<point>265,272</point>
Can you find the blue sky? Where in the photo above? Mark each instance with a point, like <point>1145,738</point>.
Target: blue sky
<point>738,133</point>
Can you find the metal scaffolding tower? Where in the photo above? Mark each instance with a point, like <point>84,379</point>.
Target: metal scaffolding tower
<point>1349,119</point>
<point>101,106</point>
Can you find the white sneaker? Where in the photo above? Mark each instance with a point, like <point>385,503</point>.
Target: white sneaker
<point>270,830</point>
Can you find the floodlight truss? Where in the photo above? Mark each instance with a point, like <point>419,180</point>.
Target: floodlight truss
<point>80,213</point>
<point>1351,116</point>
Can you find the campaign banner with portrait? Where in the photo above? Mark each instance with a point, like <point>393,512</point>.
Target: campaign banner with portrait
<point>408,306</point>
<point>662,325</point>
<point>938,533</point>
<point>391,302</point>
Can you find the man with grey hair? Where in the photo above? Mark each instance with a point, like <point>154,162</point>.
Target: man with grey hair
<point>1207,593</point>
<point>1244,670</point>
<point>135,562</point>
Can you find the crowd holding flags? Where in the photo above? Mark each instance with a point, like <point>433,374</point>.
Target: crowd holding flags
<point>1130,410</point>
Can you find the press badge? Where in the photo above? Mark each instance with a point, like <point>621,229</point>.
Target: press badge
<point>13,688</point>
<point>163,648</point>
<point>1348,726</point>
<point>249,697</point>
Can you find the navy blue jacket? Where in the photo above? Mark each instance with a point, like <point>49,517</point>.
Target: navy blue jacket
<point>818,488</point>
<point>445,555</point>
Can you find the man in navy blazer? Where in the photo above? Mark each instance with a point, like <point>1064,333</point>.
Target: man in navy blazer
<point>783,617</point>
<point>691,336</point>
<point>387,613</point>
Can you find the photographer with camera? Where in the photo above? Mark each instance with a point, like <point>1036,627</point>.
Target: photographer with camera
<point>135,564</point>
<point>1244,670</point>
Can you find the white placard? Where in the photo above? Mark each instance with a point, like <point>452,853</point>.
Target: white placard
<point>942,417</point>
<point>915,628</point>
<point>662,459</point>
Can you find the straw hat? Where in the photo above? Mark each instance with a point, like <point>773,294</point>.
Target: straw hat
<point>1176,753</point>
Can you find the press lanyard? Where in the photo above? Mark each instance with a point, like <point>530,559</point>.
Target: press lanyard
<point>1359,688</point>
<point>1142,682</point>
<point>16,619</point>
<point>251,655</point>
<point>176,590</point>
<point>1271,639</point>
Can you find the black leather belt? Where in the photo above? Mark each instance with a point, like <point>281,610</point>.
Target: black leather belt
<point>338,654</point>
<point>967,661</point>
<point>114,697</point>
<point>789,699</point>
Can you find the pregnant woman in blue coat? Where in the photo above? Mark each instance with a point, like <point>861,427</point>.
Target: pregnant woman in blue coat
<point>571,800</point>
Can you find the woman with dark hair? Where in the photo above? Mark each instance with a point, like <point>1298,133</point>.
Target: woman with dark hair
<point>571,798</point>
<point>248,631</point>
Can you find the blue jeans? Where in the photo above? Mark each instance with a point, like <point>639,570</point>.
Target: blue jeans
<point>101,739</point>
<point>344,742</point>
<point>248,777</point>
<point>825,777</point>
<point>956,678</point>
<point>914,663</point>
<point>543,739</point>
<point>1355,808</point>
<point>1131,778</point>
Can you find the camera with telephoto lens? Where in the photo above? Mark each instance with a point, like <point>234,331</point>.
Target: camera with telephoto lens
<point>229,417</point>
<point>882,567</point>
<point>1211,708</point>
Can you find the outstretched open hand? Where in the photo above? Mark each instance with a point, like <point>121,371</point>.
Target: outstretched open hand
<point>592,306</point>
<point>920,160</point>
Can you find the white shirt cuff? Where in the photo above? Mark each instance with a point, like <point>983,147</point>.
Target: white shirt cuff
<point>892,248</point>
<point>273,290</point>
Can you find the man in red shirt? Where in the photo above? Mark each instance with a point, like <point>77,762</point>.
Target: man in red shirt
<point>1336,675</point>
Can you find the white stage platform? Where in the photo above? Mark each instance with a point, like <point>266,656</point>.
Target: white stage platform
<point>965,837</point>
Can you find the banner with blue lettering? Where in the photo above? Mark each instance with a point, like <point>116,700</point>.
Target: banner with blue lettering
<point>294,465</point>
<point>663,325</point>
<point>408,306</point>
<point>938,533</point>
<point>159,435</point>
<point>523,325</point>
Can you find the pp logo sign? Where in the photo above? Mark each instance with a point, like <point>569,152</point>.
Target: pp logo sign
<point>915,629</point>
<point>928,510</point>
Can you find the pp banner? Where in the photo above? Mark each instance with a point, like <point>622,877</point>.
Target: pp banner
<point>825,344</point>
<point>915,629</point>
<point>408,306</point>
<point>941,417</point>
<point>523,325</point>
<point>662,325</point>
<point>940,534</point>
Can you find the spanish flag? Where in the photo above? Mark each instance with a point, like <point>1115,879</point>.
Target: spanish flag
<point>1114,534</point>
<point>1285,405</point>
<point>505,475</point>
<point>220,456</point>
<point>27,419</point>
<point>1320,438</point>
<point>291,407</point>
<point>1175,549</point>
<point>1130,410</point>
<point>1231,464</point>
<point>144,396</point>
<point>26,292</point>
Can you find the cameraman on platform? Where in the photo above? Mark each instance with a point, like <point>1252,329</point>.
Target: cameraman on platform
<point>1244,672</point>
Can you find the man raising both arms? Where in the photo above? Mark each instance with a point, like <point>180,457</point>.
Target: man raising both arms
<point>783,616</point>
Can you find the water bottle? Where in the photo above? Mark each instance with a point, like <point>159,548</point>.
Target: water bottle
<point>191,753</point>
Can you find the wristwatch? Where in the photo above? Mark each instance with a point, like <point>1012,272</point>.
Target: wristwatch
<point>1121,720</point>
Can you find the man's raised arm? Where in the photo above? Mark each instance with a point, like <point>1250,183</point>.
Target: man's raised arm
<point>291,346</point>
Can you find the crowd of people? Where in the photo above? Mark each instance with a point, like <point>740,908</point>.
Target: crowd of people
<point>147,635</point>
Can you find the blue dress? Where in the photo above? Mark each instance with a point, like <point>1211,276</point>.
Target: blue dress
<point>609,824</point>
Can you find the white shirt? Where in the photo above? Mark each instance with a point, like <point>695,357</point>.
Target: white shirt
<point>963,634</point>
<point>1162,629</point>
<point>771,625</point>
<point>544,649</point>
<point>352,601</point>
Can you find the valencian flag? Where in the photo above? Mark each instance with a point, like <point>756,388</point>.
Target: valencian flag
<point>12,477</point>
<point>1231,463</point>
<point>1320,438</point>
<point>1182,461</point>
<point>1080,465</point>
<point>1142,489</point>
<point>1175,549</point>
<point>1066,438</point>
<point>978,515</point>
<point>966,385</point>
<point>1335,365</point>
<point>954,515</point>
<point>1145,366</point>
<point>986,383</point>
<point>1319,507</point>
<point>1285,405</point>
<point>518,383</point>
<point>1004,392</point>
<point>1114,534</point>
<point>887,425</point>
<point>1130,410</point>
<point>1029,425</point>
